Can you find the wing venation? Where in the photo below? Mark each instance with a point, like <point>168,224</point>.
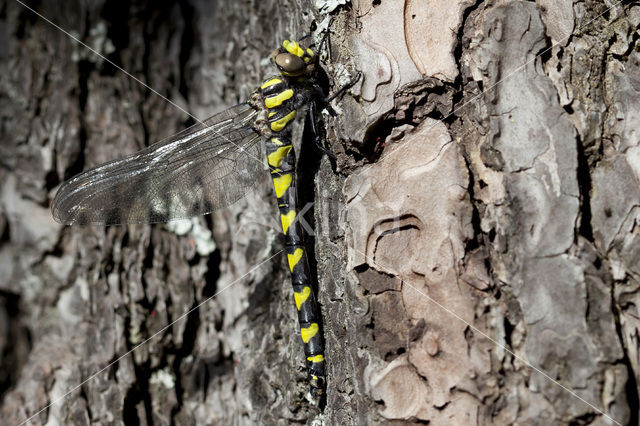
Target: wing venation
<point>201,169</point>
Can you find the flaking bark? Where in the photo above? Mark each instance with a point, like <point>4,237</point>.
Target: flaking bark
<point>485,197</point>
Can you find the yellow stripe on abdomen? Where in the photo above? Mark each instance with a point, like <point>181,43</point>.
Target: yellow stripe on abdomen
<point>287,220</point>
<point>308,333</point>
<point>277,100</point>
<point>302,297</point>
<point>294,258</point>
<point>281,184</point>
<point>278,125</point>
<point>315,358</point>
<point>276,157</point>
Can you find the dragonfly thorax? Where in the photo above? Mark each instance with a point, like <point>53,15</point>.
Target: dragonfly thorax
<point>278,98</point>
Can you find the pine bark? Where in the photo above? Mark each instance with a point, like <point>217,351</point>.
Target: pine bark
<point>480,219</point>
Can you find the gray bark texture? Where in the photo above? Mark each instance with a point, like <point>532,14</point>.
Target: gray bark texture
<point>475,242</point>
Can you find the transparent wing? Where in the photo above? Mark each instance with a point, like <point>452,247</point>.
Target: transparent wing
<point>201,169</point>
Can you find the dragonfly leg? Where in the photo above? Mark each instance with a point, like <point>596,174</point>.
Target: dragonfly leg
<point>326,103</point>
<point>326,100</point>
<point>344,88</point>
<point>314,131</point>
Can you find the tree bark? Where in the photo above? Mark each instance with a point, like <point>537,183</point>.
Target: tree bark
<point>475,242</point>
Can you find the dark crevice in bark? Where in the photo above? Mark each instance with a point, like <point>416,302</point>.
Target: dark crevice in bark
<point>108,266</point>
<point>462,46</point>
<point>421,101</point>
<point>508,332</point>
<point>40,97</point>
<point>546,53</point>
<point>85,397</point>
<point>584,185</point>
<point>138,392</point>
<point>51,179</point>
<point>202,378</point>
<point>143,123</point>
<point>150,27</point>
<point>148,30</point>
<point>12,358</point>
<point>214,260</point>
<point>633,45</point>
<point>6,233</point>
<point>478,236</point>
<point>585,419</point>
<point>117,32</point>
<point>391,356</point>
<point>632,392</point>
<point>185,350</point>
<point>147,261</point>
<point>373,141</point>
<point>187,42</point>
<point>360,269</point>
<point>84,71</point>
<point>25,19</point>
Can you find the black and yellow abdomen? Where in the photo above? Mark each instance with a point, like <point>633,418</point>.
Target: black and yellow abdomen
<point>280,101</point>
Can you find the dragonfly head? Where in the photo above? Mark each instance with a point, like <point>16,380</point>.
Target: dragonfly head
<point>293,60</point>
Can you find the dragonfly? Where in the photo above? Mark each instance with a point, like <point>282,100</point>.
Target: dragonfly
<point>212,165</point>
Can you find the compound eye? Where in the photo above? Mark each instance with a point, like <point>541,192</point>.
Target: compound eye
<point>289,63</point>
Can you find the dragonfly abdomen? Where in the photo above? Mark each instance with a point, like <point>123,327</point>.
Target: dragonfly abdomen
<point>279,100</point>
<point>281,158</point>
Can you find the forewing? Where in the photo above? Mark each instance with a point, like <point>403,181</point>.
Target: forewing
<point>201,169</point>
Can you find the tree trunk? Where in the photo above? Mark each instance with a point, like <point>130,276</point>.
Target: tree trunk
<point>475,240</point>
